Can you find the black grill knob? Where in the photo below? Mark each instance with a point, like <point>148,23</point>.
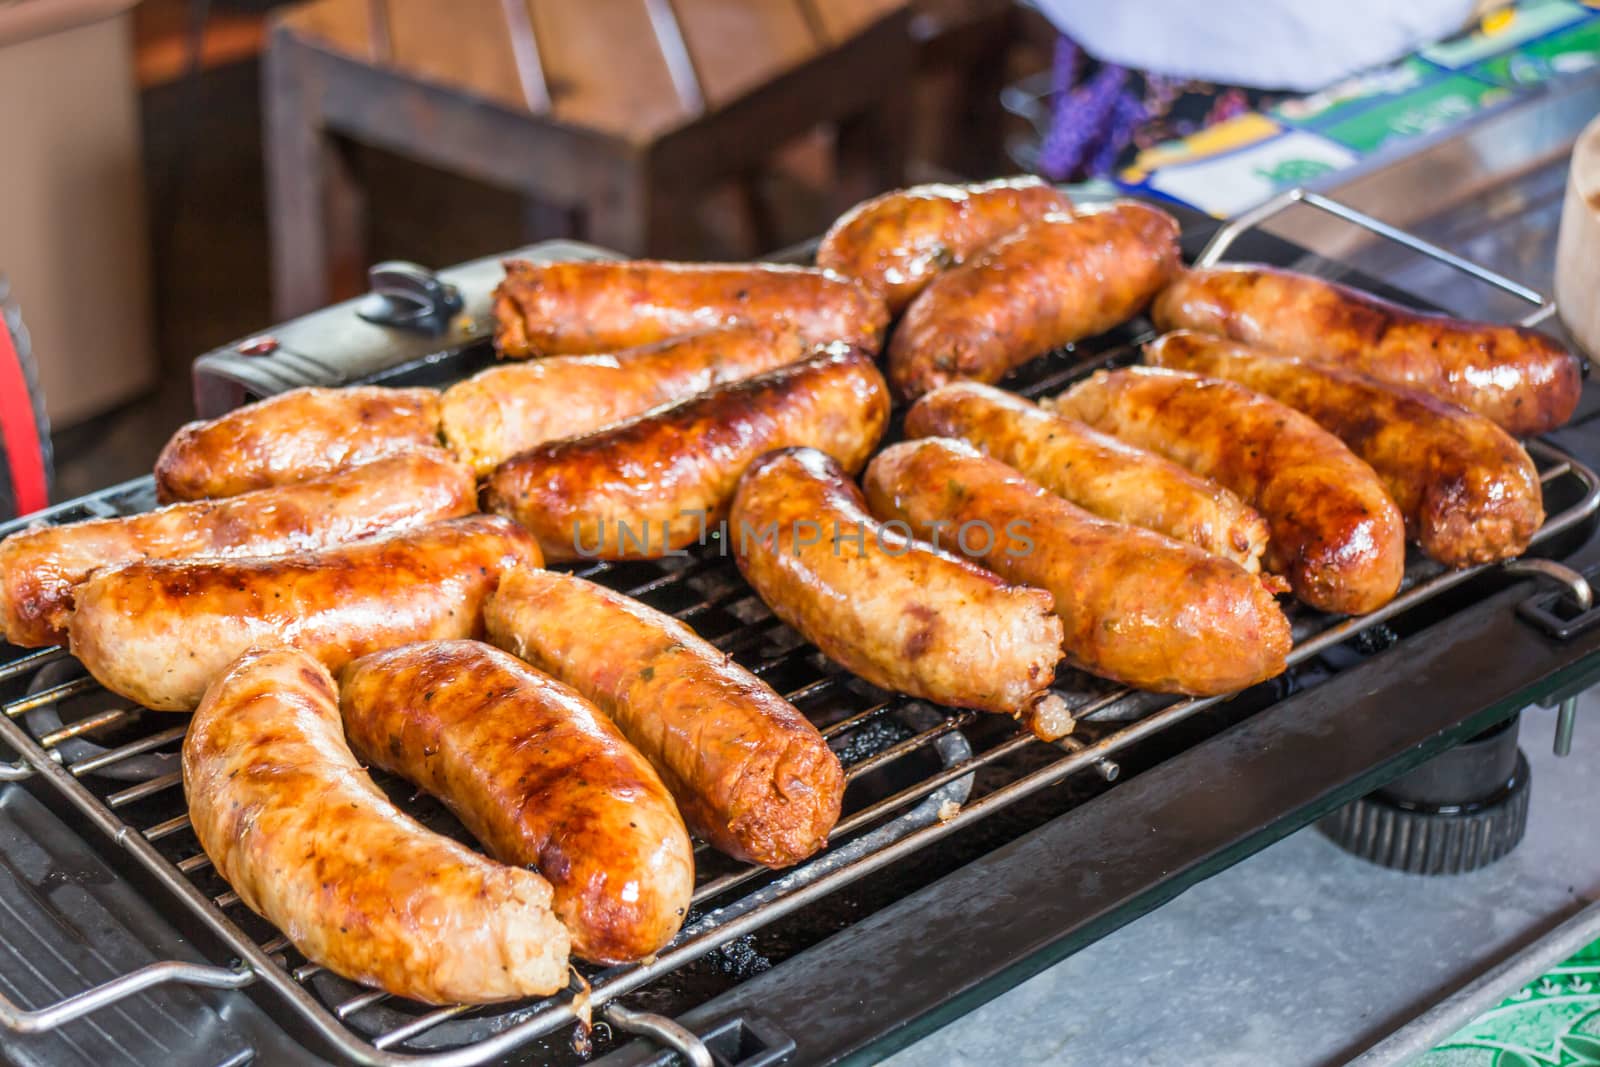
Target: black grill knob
<point>1460,811</point>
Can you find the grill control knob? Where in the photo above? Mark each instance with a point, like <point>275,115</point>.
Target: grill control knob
<point>1460,811</point>
<point>409,296</point>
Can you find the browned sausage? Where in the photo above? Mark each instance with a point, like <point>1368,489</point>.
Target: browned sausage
<point>1057,280</point>
<point>159,631</point>
<point>508,409</point>
<point>901,614</point>
<point>550,309</point>
<point>1098,473</point>
<point>1468,491</point>
<point>294,436</point>
<point>656,484</point>
<point>751,775</point>
<point>1520,378</point>
<point>39,567</point>
<point>294,824</point>
<point>1336,535</point>
<point>539,776</point>
<point>1138,608</point>
<point>897,242</point>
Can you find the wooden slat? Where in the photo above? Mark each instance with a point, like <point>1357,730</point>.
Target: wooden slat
<point>464,44</point>
<point>841,20</point>
<point>738,45</point>
<point>340,25</point>
<point>600,61</point>
<point>604,67</point>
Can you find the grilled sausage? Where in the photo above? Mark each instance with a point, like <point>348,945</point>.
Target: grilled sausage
<point>39,567</point>
<point>1057,280</point>
<point>294,436</point>
<point>896,243</point>
<point>1138,607</point>
<point>1468,491</point>
<point>1336,535</point>
<point>1098,473</point>
<point>159,631</point>
<point>657,483</point>
<point>901,614</point>
<point>550,309</point>
<point>1520,378</point>
<point>308,842</point>
<point>505,410</point>
<point>751,775</point>
<point>539,776</point>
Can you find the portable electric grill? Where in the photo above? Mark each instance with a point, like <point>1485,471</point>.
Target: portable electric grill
<point>970,855</point>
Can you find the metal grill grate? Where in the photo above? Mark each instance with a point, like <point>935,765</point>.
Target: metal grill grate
<point>913,773</point>
<point>910,766</point>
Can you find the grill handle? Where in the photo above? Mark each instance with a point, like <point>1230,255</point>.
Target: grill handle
<point>1563,615</point>
<point>38,1020</point>
<point>668,1032</point>
<point>742,1041</point>
<point>1230,232</point>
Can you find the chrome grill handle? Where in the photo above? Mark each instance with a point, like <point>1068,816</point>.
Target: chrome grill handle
<point>744,1040</point>
<point>663,1030</point>
<point>38,1020</point>
<point>1231,231</point>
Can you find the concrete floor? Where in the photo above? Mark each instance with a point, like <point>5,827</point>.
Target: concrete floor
<point>1301,956</point>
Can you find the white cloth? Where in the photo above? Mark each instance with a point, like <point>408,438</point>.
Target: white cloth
<point>1299,45</point>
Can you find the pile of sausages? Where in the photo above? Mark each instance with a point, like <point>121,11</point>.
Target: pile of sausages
<point>321,585</point>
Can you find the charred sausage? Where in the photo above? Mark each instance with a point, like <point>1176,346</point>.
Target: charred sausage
<point>550,309</point>
<point>896,243</point>
<point>1138,608</point>
<point>158,631</point>
<point>901,614</point>
<point>309,843</point>
<point>294,436</point>
<point>1057,280</point>
<point>39,567</point>
<point>1469,492</point>
<point>1098,473</point>
<point>751,775</point>
<point>1520,378</point>
<point>656,484</point>
<point>505,410</point>
<point>539,776</point>
<point>1336,535</point>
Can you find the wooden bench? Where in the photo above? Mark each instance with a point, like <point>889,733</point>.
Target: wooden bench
<point>616,114</point>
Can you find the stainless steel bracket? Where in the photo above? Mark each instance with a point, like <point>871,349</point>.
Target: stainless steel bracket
<point>1232,230</point>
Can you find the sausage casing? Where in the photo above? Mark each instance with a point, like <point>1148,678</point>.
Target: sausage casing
<point>540,776</point>
<point>901,614</point>
<point>896,243</point>
<point>751,775</point>
<point>508,409</point>
<point>294,436</point>
<point>158,631</point>
<point>550,309</point>
<point>1336,534</point>
<point>307,840</point>
<point>657,483</point>
<point>1137,607</point>
<point>1100,474</point>
<point>1523,380</point>
<point>1469,492</point>
<point>1057,280</point>
<point>40,567</point>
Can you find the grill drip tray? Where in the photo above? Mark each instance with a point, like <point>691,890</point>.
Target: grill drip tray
<point>69,922</point>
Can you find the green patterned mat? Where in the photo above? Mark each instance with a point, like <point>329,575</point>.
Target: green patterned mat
<point>1553,1021</point>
